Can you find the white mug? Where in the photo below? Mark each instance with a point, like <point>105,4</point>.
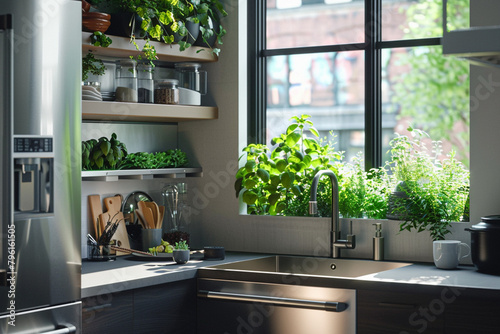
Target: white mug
<point>447,253</point>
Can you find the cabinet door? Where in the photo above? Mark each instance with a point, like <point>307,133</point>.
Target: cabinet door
<point>384,312</point>
<point>167,308</point>
<point>474,314</point>
<point>108,313</point>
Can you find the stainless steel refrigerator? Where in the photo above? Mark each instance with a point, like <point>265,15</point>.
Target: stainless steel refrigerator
<point>40,178</point>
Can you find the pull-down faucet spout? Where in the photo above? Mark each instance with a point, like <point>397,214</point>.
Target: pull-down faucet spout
<point>335,242</point>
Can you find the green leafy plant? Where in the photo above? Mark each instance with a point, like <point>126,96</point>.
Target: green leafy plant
<point>209,14</point>
<point>163,20</point>
<point>143,160</point>
<point>92,65</point>
<point>99,39</point>
<point>276,182</point>
<point>436,191</point>
<point>181,245</point>
<point>103,154</point>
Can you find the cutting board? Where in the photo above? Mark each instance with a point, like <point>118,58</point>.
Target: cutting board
<point>113,204</point>
<point>95,208</point>
<point>121,235</point>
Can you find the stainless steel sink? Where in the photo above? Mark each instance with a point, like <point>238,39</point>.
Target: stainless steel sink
<point>312,266</point>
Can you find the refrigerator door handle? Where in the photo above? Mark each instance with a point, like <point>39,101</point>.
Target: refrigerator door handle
<point>3,277</point>
<point>62,329</point>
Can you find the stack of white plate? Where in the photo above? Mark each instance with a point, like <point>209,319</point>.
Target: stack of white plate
<point>91,93</point>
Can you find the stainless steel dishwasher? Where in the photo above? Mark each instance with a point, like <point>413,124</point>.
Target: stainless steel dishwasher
<point>238,307</point>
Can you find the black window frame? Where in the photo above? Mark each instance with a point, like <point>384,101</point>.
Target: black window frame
<point>372,46</point>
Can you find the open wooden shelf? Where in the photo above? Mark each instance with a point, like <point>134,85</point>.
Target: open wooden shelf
<point>140,174</point>
<point>122,48</point>
<point>145,112</point>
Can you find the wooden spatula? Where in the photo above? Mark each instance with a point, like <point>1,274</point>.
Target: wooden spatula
<point>148,216</point>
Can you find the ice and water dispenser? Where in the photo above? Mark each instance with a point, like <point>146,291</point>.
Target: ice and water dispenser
<point>33,174</point>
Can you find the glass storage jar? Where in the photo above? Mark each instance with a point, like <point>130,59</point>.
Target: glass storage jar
<point>167,91</point>
<point>191,77</point>
<point>126,81</point>
<point>145,83</point>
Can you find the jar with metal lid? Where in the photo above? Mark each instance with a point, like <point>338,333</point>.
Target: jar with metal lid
<point>126,81</point>
<point>145,83</point>
<point>191,77</point>
<point>167,91</point>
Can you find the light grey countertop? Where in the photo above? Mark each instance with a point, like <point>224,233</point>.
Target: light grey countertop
<point>129,272</point>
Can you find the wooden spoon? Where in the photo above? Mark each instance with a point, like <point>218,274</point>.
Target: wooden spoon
<point>148,216</point>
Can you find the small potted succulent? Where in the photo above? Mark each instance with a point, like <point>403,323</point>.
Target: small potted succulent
<point>181,252</point>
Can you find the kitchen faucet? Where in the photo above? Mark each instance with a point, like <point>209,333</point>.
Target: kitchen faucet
<point>335,241</point>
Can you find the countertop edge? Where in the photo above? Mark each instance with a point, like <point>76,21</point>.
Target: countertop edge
<point>127,275</point>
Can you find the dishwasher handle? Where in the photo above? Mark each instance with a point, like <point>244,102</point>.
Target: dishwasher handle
<point>63,329</point>
<point>279,301</point>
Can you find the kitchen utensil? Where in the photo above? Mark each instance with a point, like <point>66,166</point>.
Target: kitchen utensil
<point>485,244</point>
<point>113,204</point>
<point>171,200</point>
<point>130,204</point>
<point>156,212</point>
<point>148,215</point>
<point>119,232</point>
<point>140,218</point>
<point>129,250</point>
<point>95,209</point>
<point>161,208</point>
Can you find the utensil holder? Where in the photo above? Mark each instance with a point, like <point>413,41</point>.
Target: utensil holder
<point>99,252</point>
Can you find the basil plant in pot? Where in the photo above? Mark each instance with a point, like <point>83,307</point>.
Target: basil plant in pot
<point>277,181</point>
<point>435,192</point>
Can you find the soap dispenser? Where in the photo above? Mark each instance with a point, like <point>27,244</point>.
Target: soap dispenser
<point>378,243</point>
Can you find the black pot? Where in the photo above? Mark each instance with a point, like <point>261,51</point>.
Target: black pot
<point>485,244</point>
<point>121,25</point>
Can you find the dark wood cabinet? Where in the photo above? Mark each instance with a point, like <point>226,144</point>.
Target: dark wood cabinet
<point>386,312</point>
<point>108,313</point>
<point>166,308</point>
<point>428,310</point>
<point>473,311</point>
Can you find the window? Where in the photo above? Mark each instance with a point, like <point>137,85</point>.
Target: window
<point>364,70</point>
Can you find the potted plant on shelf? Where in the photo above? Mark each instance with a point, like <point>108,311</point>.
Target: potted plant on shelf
<point>91,65</point>
<point>209,14</point>
<point>435,192</point>
<point>181,252</point>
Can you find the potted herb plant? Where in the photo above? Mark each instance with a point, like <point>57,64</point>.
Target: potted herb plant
<point>181,252</point>
<point>277,181</point>
<point>91,65</point>
<point>435,191</point>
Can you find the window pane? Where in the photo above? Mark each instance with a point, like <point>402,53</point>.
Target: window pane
<point>428,91</point>
<point>327,86</point>
<point>404,19</point>
<point>299,23</point>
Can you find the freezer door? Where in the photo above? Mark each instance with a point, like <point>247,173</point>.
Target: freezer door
<point>60,319</point>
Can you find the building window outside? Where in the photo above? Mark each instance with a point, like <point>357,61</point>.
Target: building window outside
<point>418,86</point>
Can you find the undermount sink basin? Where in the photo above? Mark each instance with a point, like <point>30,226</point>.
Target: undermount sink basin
<point>312,266</point>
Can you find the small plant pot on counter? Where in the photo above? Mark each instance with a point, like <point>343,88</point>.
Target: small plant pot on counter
<point>181,256</point>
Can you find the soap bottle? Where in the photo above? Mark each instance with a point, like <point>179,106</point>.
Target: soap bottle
<point>378,243</point>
